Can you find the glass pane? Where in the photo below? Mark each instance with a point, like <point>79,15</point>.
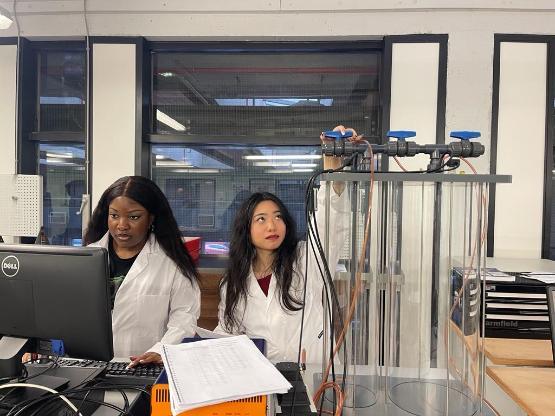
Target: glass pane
<point>205,185</point>
<point>266,93</point>
<point>62,167</point>
<point>62,91</point>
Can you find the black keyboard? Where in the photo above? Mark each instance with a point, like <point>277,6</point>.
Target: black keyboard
<point>116,372</point>
<point>145,375</point>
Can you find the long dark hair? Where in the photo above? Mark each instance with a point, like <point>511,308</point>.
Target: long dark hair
<point>145,192</point>
<point>242,253</point>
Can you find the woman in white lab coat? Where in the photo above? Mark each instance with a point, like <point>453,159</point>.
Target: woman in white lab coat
<point>153,281</point>
<point>262,288</point>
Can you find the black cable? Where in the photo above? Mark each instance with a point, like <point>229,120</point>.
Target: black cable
<point>5,380</point>
<point>34,399</point>
<point>54,364</point>
<point>305,280</point>
<point>332,331</point>
<point>47,407</point>
<point>332,321</point>
<point>88,390</point>
<point>314,238</point>
<point>26,377</point>
<point>72,392</point>
<point>329,307</point>
<point>440,167</point>
<point>436,170</point>
<point>109,385</point>
<point>82,402</point>
<point>317,240</point>
<point>47,399</point>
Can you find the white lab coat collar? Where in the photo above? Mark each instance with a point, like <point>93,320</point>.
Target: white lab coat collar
<point>256,292</point>
<point>151,246</point>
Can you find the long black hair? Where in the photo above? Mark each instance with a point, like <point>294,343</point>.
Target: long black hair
<point>242,253</point>
<point>164,227</point>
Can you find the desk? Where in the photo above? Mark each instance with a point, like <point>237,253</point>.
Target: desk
<point>521,265</point>
<point>527,352</point>
<point>531,388</point>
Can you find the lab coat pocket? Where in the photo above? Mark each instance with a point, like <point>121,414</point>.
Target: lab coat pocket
<point>153,314</point>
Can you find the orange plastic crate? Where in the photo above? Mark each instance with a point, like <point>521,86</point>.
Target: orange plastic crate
<point>251,406</point>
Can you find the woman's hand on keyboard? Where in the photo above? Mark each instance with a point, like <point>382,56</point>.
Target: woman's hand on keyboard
<point>146,358</point>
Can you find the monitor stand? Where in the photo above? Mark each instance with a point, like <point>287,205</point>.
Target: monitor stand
<point>11,353</point>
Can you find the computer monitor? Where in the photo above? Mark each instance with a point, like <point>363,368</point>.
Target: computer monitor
<point>56,293</point>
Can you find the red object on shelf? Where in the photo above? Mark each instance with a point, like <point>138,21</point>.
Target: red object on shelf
<point>192,244</point>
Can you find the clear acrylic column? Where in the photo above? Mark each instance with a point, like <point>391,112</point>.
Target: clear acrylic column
<point>413,343</point>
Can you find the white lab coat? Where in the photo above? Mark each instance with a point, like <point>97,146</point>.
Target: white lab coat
<point>155,304</point>
<point>264,317</point>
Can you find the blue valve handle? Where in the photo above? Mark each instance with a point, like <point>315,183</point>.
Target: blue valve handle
<point>336,135</point>
<point>401,134</point>
<point>465,135</point>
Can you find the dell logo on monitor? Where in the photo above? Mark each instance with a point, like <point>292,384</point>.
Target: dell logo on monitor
<point>10,266</point>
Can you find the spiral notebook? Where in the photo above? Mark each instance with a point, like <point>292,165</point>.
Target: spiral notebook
<point>218,370</point>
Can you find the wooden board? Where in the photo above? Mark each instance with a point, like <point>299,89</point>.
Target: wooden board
<point>531,388</point>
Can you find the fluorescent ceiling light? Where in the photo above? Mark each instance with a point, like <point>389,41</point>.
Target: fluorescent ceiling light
<point>303,165</point>
<point>59,155</point>
<point>284,163</point>
<point>5,18</point>
<point>59,162</point>
<point>168,121</point>
<point>276,171</point>
<point>173,164</point>
<point>281,157</point>
<point>200,170</point>
<point>272,164</point>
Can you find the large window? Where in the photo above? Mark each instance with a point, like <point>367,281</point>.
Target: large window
<point>61,86</point>
<point>58,136</point>
<point>206,184</point>
<point>266,91</point>
<point>62,167</point>
<point>229,119</point>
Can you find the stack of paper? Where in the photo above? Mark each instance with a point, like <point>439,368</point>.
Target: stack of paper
<point>218,370</point>
<point>545,277</point>
<point>494,275</point>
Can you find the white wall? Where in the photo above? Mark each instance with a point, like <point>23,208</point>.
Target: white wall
<point>414,87</point>
<point>520,149</point>
<point>8,57</point>
<point>7,108</point>
<point>113,111</point>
